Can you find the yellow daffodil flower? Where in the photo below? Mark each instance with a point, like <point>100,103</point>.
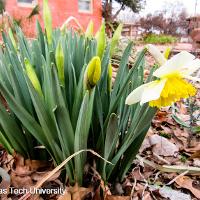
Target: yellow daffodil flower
<point>171,85</point>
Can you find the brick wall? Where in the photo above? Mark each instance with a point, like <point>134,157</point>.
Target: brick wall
<point>61,10</point>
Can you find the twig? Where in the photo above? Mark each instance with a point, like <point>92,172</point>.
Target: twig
<point>156,176</point>
<point>161,159</point>
<point>170,168</point>
<point>177,177</point>
<point>133,188</point>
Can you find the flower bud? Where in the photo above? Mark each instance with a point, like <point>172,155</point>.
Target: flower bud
<point>115,39</point>
<point>33,76</point>
<point>47,21</point>
<point>167,52</point>
<point>159,57</point>
<point>60,63</point>
<point>90,30</point>
<point>93,72</point>
<point>101,41</point>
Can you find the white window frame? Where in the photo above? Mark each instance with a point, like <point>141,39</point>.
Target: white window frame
<point>27,5</point>
<point>86,11</point>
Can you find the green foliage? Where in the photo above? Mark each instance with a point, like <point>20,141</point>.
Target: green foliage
<point>159,39</point>
<point>55,110</point>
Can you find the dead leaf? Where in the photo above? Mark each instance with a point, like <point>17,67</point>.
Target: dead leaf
<point>38,176</point>
<point>195,155</point>
<point>196,162</point>
<point>117,198</point>
<point>193,149</point>
<point>75,193</point>
<point>162,146</point>
<point>181,133</point>
<point>146,144</point>
<point>21,181</point>
<point>147,196</point>
<point>65,196</point>
<point>187,183</point>
<point>171,194</point>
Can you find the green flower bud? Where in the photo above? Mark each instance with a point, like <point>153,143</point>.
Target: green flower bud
<point>47,21</point>
<point>101,40</point>
<point>109,77</point>
<point>90,30</point>
<point>60,63</point>
<point>93,72</point>
<point>115,39</point>
<point>33,76</point>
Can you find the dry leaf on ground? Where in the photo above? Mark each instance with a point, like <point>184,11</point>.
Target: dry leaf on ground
<point>65,196</point>
<point>75,193</point>
<point>187,183</point>
<point>117,198</point>
<point>162,146</point>
<point>167,192</point>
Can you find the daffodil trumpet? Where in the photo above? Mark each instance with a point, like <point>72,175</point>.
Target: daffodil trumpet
<point>171,84</point>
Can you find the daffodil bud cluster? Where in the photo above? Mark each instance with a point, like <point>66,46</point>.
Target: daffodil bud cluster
<point>92,73</point>
<point>32,76</point>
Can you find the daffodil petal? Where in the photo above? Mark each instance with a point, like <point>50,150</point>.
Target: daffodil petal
<point>152,91</point>
<point>136,95</point>
<point>174,64</point>
<point>191,67</point>
<point>155,52</point>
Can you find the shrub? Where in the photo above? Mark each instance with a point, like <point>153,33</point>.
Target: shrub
<point>159,39</point>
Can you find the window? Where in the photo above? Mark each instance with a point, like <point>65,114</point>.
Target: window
<point>27,3</point>
<point>85,6</point>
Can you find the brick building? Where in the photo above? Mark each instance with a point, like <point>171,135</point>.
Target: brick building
<point>83,10</point>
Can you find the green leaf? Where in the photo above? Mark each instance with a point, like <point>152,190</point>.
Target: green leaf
<point>112,135</point>
<point>6,144</point>
<point>81,133</point>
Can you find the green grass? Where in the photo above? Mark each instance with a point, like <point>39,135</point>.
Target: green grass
<point>159,39</point>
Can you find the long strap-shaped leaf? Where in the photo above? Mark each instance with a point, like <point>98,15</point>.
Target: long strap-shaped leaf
<point>82,131</point>
<point>27,120</point>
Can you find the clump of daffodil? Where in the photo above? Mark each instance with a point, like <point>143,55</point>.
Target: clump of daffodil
<point>171,84</point>
<point>92,73</point>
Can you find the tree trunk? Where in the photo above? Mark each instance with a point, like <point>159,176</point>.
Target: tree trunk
<point>108,11</point>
